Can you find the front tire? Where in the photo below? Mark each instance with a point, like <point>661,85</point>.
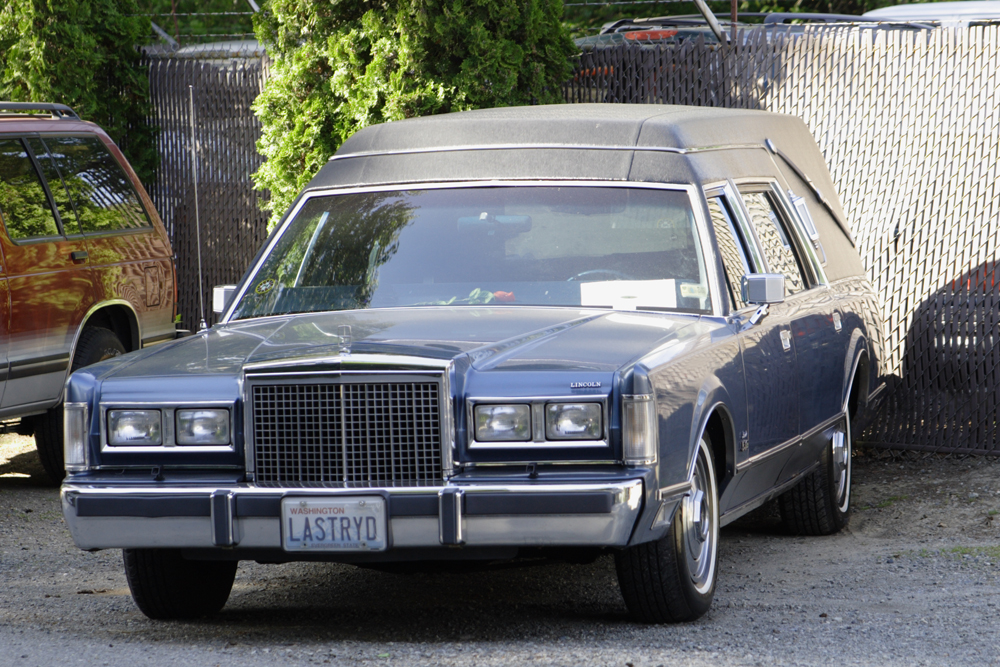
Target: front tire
<point>95,344</point>
<point>672,580</point>
<point>821,503</point>
<point>166,586</point>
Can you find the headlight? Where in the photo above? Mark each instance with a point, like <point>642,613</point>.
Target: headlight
<point>503,423</point>
<point>75,436</point>
<point>137,428</point>
<point>573,421</point>
<point>640,434</point>
<point>203,427</point>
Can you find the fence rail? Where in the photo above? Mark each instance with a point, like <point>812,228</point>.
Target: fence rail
<point>909,122</point>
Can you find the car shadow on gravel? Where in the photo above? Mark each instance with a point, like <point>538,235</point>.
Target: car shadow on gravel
<point>22,471</point>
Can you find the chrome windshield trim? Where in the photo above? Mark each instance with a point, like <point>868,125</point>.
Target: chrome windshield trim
<point>251,275</point>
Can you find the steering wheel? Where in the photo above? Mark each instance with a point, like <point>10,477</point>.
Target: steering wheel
<point>610,273</point>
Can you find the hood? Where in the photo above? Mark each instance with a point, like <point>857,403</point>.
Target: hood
<point>491,338</point>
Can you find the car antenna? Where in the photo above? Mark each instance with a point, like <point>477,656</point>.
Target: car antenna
<point>197,221</point>
<point>713,23</point>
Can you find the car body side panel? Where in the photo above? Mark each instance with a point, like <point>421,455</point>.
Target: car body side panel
<point>50,293</point>
<point>703,369</point>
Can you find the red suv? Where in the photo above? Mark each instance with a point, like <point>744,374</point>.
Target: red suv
<point>86,268</point>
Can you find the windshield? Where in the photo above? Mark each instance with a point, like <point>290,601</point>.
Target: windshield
<point>605,247</point>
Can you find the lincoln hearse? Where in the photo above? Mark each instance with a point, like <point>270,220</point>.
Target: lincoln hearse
<point>579,329</point>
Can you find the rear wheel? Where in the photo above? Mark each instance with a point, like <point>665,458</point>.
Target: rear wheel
<point>165,585</point>
<point>821,503</point>
<point>95,344</point>
<point>673,579</point>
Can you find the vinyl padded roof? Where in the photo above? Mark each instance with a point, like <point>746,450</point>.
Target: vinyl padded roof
<point>616,142</point>
<point>576,141</point>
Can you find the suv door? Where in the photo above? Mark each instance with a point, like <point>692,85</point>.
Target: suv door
<point>129,260</point>
<point>48,277</point>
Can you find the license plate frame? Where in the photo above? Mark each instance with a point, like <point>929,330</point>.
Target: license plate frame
<point>339,524</point>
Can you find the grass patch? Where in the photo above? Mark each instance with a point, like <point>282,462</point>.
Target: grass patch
<point>882,504</point>
<point>992,552</point>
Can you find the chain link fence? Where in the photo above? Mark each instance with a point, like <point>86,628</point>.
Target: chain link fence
<point>225,80</point>
<point>909,122</point>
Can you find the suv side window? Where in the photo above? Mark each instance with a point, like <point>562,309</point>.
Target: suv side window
<point>104,197</point>
<point>63,204</point>
<point>734,256</point>
<point>774,239</point>
<point>24,205</point>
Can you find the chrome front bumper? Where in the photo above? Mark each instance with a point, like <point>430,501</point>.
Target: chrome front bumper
<point>247,517</point>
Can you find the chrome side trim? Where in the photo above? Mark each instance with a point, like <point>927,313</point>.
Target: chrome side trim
<point>736,512</point>
<point>540,464</point>
<point>754,460</point>
<point>520,147</point>
<point>675,491</point>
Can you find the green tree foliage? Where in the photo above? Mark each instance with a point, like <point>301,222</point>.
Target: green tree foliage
<point>341,66</point>
<point>82,53</point>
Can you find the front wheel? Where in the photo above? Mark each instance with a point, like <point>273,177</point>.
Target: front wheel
<point>821,503</point>
<point>95,344</point>
<point>673,579</point>
<point>165,585</point>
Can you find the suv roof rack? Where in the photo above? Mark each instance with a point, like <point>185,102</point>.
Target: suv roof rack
<point>58,111</point>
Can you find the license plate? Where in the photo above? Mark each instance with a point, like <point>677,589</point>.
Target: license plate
<point>356,523</point>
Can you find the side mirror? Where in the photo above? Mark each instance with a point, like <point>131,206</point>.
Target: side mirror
<point>221,296</point>
<point>761,288</point>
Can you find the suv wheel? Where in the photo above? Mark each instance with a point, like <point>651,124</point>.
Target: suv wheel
<point>165,585</point>
<point>95,344</point>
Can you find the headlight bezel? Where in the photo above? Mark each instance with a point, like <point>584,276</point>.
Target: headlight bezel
<point>538,440</point>
<point>168,427</point>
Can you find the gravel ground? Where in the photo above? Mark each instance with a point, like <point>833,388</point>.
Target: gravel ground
<point>913,581</point>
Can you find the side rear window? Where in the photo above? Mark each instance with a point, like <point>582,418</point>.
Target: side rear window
<point>24,205</point>
<point>56,187</point>
<point>104,197</point>
<point>774,240</point>
<point>733,255</point>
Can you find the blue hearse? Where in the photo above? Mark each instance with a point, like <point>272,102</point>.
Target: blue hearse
<point>576,329</point>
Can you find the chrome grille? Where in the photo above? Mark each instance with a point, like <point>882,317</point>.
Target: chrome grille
<point>347,434</point>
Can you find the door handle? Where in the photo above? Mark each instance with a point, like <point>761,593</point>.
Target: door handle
<point>79,255</point>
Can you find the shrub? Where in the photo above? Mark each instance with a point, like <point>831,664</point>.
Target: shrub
<point>82,53</point>
<point>342,66</point>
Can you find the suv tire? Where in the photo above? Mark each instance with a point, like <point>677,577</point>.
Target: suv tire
<point>95,344</point>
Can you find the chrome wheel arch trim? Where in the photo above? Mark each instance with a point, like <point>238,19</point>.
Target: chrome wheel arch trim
<point>134,321</point>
